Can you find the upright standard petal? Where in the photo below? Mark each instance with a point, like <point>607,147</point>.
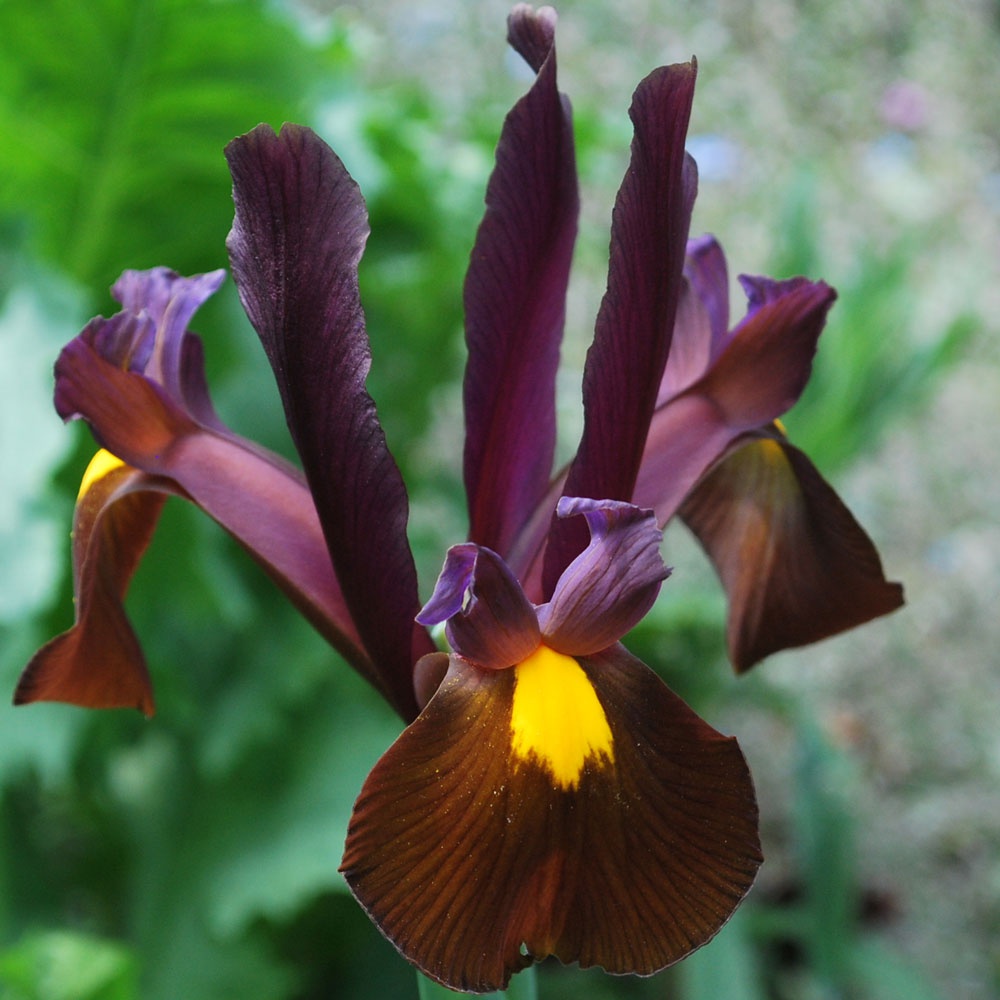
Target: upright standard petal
<point>474,859</point>
<point>297,238</point>
<point>515,298</point>
<point>797,567</point>
<point>98,663</point>
<point>632,339</point>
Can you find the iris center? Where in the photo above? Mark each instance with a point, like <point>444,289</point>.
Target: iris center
<point>557,720</point>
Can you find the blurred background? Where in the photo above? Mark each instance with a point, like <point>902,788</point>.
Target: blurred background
<point>195,855</point>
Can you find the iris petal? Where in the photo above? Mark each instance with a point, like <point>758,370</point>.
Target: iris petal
<point>758,374</point>
<point>255,495</point>
<point>515,298</point>
<point>702,325</point>
<point>298,235</point>
<point>462,850</point>
<point>796,565</point>
<point>98,663</point>
<point>170,301</point>
<point>611,585</point>
<point>635,322</point>
<point>490,621</point>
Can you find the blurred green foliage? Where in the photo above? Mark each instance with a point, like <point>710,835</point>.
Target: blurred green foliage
<point>195,855</point>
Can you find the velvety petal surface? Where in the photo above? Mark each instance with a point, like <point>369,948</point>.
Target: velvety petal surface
<point>625,363</point>
<point>260,499</point>
<point>515,297</point>
<point>98,663</point>
<point>297,238</point>
<point>490,621</point>
<point>611,585</point>
<point>797,567</point>
<point>473,861</point>
<point>759,374</point>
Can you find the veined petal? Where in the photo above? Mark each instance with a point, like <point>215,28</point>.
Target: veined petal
<point>515,297</point>
<point>98,663</point>
<point>626,361</point>
<point>758,375</point>
<point>297,238</point>
<point>796,565</point>
<point>490,621</point>
<point>611,585</point>
<point>256,496</point>
<point>474,858</point>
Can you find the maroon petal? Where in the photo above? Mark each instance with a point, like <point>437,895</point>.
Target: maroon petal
<point>473,859</point>
<point>515,298</point>
<point>98,663</point>
<point>796,565</point>
<point>490,621</point>
<point>260,499</point>
<point>299,232</point>
<point>626,361</point>
<point>756,378</point>
<point>611,585</point>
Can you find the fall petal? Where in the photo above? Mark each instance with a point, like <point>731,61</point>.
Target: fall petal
<point>626,361</point>
<point>796,565</point>
<point>611,585</point>
<point>297,238</point>
<point>515,298</point>
<point>98,663</point>
<point>463,847</point>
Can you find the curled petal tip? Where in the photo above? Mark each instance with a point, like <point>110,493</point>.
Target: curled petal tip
<point>490,621</point>
<point>532,33</point>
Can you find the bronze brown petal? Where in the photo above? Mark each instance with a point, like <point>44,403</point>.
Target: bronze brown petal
<point>797,567</point>
<point>98,663</point>
<point>474,857</point>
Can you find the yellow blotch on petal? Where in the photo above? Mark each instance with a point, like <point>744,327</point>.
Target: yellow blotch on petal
<point>557,720</point>
<point>772,452</point>
<point>100,465</point>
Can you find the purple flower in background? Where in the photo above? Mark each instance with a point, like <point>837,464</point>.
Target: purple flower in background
<point>549,795</point>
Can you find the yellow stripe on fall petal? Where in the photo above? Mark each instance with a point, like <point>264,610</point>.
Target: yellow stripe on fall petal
<point>771,452</point>
<point>100,465</point>
<point>557,719</point>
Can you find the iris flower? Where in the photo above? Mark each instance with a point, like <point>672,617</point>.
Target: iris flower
<point>549,794</point>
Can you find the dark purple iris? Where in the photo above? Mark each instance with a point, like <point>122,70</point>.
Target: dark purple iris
<point>549,794</point>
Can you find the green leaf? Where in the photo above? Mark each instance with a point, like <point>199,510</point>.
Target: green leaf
<point>117,112</point>
<point>523,986</point>
<point>726,967</point>
<point>37,318</point>
<point>62,965</point>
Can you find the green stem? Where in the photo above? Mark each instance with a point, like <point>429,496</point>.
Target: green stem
<point>524,986</point>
